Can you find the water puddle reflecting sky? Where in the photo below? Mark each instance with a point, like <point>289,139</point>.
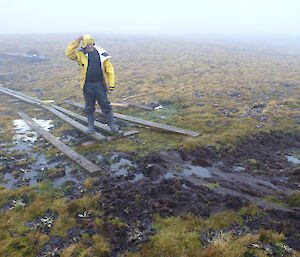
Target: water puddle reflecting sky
<point>25,133</point>
<point>198,171</point>
<point>293,159</point>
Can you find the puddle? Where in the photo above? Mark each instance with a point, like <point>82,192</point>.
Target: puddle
<point>168,175</point>
<point>121,167</point>
<point>33,173</point>
<point>198,171</point>
<point>293,159</point>
<point>22,145</point>
<point>137,177</point>
<point>238,168</point>
<point>184,186</point>
<point>68,177</point>
<point>67,138</point>
<point>9,181</point>
<point>25,133</point>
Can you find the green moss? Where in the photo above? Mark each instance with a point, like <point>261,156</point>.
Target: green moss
<point>212,185</point>
<point>116,221</point>
<point>45,185</point>
<point>274,199</point>
<point>252,162</point>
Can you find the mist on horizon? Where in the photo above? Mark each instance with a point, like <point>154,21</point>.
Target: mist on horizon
<point>190,18</point>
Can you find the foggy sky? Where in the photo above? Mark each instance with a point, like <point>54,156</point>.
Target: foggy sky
<point>155,17</point>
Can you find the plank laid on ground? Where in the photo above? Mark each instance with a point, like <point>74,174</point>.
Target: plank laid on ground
<point>25,99</point>
<point>83,162</point>
<point>21,94</point>
<point>144,122</point>
<point>76,124</point>
<point>102,126</point>
<point>128,104</point>
<point>99,125</point>
<point>147,108</point>
<point>64,117</point>
<point>39,102</point>
<point>120,104</point>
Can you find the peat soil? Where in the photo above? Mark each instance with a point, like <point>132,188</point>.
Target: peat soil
<point>201,181</point>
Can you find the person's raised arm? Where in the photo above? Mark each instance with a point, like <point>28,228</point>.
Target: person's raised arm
<point>71,51</point>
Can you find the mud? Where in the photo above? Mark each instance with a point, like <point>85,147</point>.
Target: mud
<point>175,183</point>
<point>162,183</point>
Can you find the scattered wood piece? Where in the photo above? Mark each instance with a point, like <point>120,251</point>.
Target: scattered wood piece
<point>144,122</point>
<point>83,162</point>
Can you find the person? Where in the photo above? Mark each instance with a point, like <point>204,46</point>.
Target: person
<point>97,78</point>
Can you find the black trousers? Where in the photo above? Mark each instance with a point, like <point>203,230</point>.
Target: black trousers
<point>93,91</point>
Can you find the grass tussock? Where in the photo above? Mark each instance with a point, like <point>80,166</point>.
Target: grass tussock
<point>180,236</point>
<point>294,199</point>
<point>99,247</point>
<point>226,245</point>
<point>173,239</point>
<point>268,236</point>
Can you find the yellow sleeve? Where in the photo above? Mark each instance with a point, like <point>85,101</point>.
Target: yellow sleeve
<point>71,51</point>
<point>109,70</point>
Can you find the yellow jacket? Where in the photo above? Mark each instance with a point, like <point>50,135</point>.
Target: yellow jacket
<point>73,53</point>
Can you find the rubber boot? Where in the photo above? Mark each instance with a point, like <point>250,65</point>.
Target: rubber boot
<point>91,125</point>
<point>111,122</point>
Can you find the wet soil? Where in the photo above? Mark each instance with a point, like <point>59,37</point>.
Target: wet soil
<point>175,183</point>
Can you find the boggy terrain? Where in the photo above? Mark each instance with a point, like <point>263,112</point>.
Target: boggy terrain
<point>247,191</point>
<point>233,191</point>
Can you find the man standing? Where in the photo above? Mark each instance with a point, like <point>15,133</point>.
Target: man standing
<point>97,77</point>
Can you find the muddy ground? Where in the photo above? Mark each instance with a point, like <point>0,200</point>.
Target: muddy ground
<point>173,183</point>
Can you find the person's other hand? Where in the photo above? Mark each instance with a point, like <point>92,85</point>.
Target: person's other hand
<point>111,89</point>
<point>80,38</point>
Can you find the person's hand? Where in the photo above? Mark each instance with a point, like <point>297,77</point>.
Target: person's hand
<point>111,89</point>
<point>80,38</point>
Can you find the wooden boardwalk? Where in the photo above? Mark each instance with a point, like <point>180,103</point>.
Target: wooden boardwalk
<point>99,125</point>
<point>144,122</point>
<point>97,136</point>
<point>83,162</point>
<point>55,109</point>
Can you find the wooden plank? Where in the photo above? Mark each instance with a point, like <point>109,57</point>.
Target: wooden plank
<point>120,104</point>
<point>83,162</point>
<point>76,124</point>
<point>39,102</point>
<point>128,104</point>
<point>99,125</point>
<point>147,108</point>
<point>64,117</point>
<point>8,92</point>
<point>144,122</point>
<point>23,95</point>
<point>77,116</point>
